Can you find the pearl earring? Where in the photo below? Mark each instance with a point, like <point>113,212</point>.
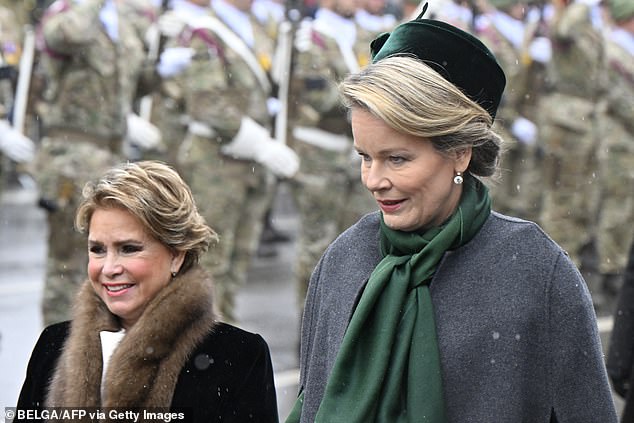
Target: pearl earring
<point>458,179</point>
<point>173,274</point>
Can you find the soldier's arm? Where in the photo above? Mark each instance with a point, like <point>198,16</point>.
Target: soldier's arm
<point>209,95</point>
<point>570,22</point>
<point>69,25</point>
<point>619,96</point>
<point>315,80</point>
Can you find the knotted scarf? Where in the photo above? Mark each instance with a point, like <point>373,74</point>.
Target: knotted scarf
<point>388,366</point>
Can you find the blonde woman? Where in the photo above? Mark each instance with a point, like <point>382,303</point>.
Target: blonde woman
<point>436,308</point>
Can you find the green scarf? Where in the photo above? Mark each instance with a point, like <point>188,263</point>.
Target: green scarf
<point>388,366</point>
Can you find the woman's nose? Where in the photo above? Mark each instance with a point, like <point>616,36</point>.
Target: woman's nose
<point>374,176</point>
<point>111,265</point>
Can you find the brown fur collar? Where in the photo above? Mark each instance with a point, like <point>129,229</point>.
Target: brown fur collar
<point>144,368</point>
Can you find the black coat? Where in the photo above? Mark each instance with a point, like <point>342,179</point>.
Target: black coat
<point>620,362</point>
<point>227,378</point>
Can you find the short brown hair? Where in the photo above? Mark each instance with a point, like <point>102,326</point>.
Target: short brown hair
<point>156,195</point>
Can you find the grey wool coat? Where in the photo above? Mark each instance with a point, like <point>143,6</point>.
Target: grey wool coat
<point>516,328</point>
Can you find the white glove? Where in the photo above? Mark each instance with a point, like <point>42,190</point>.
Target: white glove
<point>304,35</point>
<point>524,130</point>
<point>174,60</point>
<point>541,50</point>
<point>253,142</point>
<point>143,134</point>
<point>151,35</point>
<point>273,105</point>
<point>170,24</point>
<point>16,146</point>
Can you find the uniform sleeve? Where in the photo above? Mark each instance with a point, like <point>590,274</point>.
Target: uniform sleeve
<point>209,93</point>
<point>579,383</point>
<point>315,74</point>
<point>571,23</point>
<point>620,90</point>
<point>67,29</point>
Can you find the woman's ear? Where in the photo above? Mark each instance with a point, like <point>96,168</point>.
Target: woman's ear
<point>462,159</point>
<point>178,258</point>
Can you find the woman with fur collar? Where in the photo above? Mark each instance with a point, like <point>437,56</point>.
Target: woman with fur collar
<point>144,335</point>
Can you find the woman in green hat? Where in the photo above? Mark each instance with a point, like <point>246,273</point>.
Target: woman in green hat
<point>435,308</point>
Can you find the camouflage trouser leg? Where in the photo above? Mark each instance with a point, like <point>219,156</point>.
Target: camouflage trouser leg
<point>65,268</point>
<point>520,189</point>
<point>616,217</point>
<point>320,200</point>
<point>232,196</point>
<point>571,199</point>
<point>62,168</point>
<point>235,212</point>
<point>246,241</point>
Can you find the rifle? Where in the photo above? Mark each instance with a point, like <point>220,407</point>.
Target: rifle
<point>157,43</point>
<point>283,76</point>
<point>283,68</point>
<point>24,79</point>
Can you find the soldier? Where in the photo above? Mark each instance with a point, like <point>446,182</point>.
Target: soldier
<point>21,10</point>
<point>269,13</point>
<point>93,59</point>
<point>569,128</point>
<point>167,103</point>
<point>455,12</point>
<point>15,147</point>
<point>616,157</point>
<point>327,192</point>
<point>503,28</point>
<point>228,152</point>
<point>373,16</point>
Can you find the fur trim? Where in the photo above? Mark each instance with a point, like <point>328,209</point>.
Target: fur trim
<point>144,368</point>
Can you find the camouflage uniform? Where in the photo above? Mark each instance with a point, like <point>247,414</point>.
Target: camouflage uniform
<point>220,88</point>
<point>450,11</point>
<point>569,127</point>
<point>10,51</point>
<point>90,86</point>
<point>21,9</point>
<point>328,190</point>
<point>167,102</point>
<point>616,166</point>
<point>519,190</point>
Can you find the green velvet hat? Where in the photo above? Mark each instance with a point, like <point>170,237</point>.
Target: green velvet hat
<point>456,55</point>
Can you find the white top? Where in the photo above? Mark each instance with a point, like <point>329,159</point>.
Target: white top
<point>109,342</point>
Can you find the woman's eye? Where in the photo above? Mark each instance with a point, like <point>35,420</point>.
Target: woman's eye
<point>96,249</point>
<point>363,156</point>
<point>397,159</point>
<point>129,249</point>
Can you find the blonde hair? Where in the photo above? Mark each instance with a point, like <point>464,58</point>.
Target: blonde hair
<point>414,99</point>
<point>156,195</point>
